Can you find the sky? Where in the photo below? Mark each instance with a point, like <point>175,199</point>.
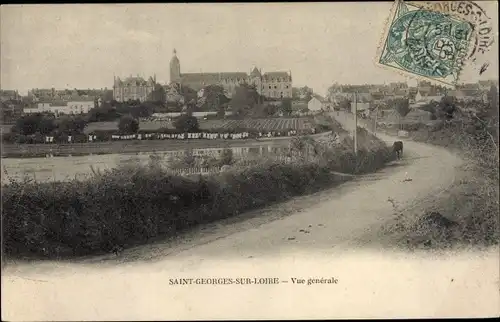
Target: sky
<point>85,45</point>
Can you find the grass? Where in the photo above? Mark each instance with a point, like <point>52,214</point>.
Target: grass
<point>130,205</point>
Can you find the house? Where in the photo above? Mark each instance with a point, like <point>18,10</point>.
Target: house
<point>337,98</point>
<point>9,95</point>
<point>79,107</point>
<point>419,97</point>
<point>317,103</point>
<point>362,108</point>
<point>364,97</point>
<point>418,115</point>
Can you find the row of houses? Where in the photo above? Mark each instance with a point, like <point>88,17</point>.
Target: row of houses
<point>63,108</point>
<point>424,92</point>
<point>54,95</point>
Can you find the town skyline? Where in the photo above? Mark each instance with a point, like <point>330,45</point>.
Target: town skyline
<point>85,46</point>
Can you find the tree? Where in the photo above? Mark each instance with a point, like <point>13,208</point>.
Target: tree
<point>221,112</point>
<point>71,125</point>
<point>226,157</point>
<point>34,123</point>
<point>493,98</point>
<point>103,113</point>
<point>188,93</point>
<point>308,97</point>
<point>431,107</point>
<point>214,97</point>
<point>345,104</point>
<point>142,110</point>
<point>447,107</point>
<point>306,93</point>
<point>186,123</point>
<point>402,106</point>
<point>286,106</point>
<point>158,94</point>
<point>128,125</point>
<point>244,99</point>
<point>264,110</point>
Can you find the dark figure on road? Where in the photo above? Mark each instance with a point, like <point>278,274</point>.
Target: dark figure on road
<point>397,147</point>
<point>117,249</point>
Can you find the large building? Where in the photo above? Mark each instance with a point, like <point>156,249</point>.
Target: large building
<point>270,84</point>
<point>133,88</point>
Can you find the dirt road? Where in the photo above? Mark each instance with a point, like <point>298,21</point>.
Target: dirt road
<point>318,236</point>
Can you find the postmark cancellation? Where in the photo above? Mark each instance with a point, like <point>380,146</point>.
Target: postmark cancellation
<point>425,44</point>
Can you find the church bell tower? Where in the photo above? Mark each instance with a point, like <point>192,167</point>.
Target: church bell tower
<point>175,69</point>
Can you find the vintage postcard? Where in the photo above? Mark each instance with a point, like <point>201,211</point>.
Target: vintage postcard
<point>249,161</point>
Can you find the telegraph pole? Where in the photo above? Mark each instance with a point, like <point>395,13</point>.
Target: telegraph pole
<point>355,123</point>
<point>375,126</point>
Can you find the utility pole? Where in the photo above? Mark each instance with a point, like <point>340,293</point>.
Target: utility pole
<point>355,123</point>
<point>375,126</point>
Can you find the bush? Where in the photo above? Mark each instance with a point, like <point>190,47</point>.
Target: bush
<point>186,123</point>
<point>128,125</point>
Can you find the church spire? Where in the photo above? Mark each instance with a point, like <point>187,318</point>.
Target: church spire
<point>175,68</point>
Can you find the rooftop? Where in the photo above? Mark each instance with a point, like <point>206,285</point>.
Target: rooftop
<point>135,81</point>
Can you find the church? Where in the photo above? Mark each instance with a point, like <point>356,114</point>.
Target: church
<point>271,84</point>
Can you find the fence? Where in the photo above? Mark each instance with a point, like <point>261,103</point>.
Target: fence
<point>192,171</point>
<point>239,164</point>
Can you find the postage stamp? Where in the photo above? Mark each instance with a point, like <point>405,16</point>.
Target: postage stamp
<point>482,37</point>
<point>426,44</point>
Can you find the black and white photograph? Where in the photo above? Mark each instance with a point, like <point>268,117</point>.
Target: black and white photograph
<point>279,160</point>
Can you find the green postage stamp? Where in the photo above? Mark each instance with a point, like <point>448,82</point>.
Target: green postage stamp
<point>425,44</point>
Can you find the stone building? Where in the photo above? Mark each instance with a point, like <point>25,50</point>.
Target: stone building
<point>270,84</point>
<point>133,88</point>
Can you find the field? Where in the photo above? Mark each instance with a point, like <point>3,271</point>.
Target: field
<point>259,124</point>
<point>272,124</point>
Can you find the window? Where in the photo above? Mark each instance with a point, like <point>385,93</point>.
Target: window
<point>286,86</point>
<point>269,86</point>
<point>275,87</point>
